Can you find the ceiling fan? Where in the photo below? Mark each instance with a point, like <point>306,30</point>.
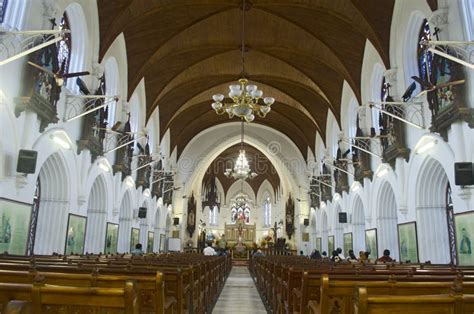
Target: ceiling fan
<point>429,87</point>
<point>59,76</point>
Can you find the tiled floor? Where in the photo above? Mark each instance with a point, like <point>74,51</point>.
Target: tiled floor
<point>239,294</point>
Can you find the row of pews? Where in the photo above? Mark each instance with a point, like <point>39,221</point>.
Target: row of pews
<point>294,284</point>
<point>166,283</point>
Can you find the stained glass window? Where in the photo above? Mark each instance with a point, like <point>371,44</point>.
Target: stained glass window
<point>267,210</point>
<point>34,218</point>
<point>425,58</point>
<point>213,216</point>
<point>3,9</point>
<point>64,47</point>
<point>240,210</point>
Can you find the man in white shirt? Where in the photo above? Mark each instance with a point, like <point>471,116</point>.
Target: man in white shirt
<point>208,251</point>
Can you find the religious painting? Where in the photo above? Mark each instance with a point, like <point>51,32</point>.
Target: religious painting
<point>14,226</point>
<point>371,243</point>
<point>347,243</point>
<point>305,237</point>
<point>330,245</point>
<point>111,238</point>
<point>290,217</point>
<point>464,225</point>
<point>162,242</point>
<point>135,238</point>
<point>149,244</point>
<point>319,245</point>
<point>407,242</point>
<point>191,226</point>
<point>75,234</point>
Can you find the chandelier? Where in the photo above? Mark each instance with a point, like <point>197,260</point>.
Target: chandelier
<point>247,101</point>
<point>241,169</point>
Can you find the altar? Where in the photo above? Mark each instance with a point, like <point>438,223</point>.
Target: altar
<point>245,232</point>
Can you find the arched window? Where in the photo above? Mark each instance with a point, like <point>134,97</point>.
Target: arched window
<point>34,218</point>
<point>240,210</point>
<point>213,215</point>
<point>267,212</point>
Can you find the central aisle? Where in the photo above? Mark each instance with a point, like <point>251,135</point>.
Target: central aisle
<point>239,294</point>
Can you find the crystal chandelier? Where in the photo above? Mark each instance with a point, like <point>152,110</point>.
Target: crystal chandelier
<point>241,169</point>
<point>246,98</point>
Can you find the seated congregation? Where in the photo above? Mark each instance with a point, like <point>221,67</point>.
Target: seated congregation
<point>321,284</point>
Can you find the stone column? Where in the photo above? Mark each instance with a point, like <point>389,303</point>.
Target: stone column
<point>125,225</point>
<point>95,233</point>
<point>432,229</point>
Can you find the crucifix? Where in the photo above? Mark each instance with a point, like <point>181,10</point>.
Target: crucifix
<point>275,229</point>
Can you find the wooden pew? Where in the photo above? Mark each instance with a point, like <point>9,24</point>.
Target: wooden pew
<point>424,304</point>
<point>49,298</point>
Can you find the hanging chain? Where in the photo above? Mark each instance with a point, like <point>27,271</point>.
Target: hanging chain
<point>243,38</point>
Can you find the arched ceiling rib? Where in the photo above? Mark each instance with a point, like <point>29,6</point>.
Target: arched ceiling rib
<point>300,52</point>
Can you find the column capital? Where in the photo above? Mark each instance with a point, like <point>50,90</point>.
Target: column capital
<point>439,18</point>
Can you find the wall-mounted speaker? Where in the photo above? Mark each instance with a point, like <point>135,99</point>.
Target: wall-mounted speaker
<point>463,173</point>
<point>306,222</point>
<point>342,218</point>
<point>142,212</point>
<point>175,221</point>
<point>26,161</point>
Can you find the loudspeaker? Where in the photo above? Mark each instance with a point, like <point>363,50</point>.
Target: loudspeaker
<point>142,212</point>
<point>175,221</point>
<point>306,222</point>
<point>26,161</point>
<point>342,217</point>
<point>463,173</point>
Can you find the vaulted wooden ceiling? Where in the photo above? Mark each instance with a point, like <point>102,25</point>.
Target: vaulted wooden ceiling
<point>298,51</point>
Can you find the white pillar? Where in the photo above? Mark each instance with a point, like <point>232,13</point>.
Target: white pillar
<point>432,229</point>
<point>125,225</point>
<point>95,233</point>
<point>51,227</point>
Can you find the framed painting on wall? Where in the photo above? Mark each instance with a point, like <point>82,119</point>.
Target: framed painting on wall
<point>162,242</point>
<point>75,234</point>
<point>135,238</point>
<point>14,226</point>
<point>464,229</point>
<point>347,243</point>
<point>111,238</point>
<point>149,244</point>
<point>408,242</point>
<point>330,245</point>
<point>371,243</point>
<point>305,237</point>
<point>319,244</point>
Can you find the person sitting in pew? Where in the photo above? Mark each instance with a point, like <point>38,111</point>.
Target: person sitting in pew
<point>339,253</point>
<point>352,258</point>
<point>316,255</point>
<point>335,257</point>
<point>325,257</point>
<point>386,257</point>
<point>209,251</point>
<point>137,251</point>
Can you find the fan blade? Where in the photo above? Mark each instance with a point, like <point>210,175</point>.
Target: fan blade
<point>140,147</point>
<point>76,74</point>
<point>423,84</point>
<point>409,91</point>
<point>452,83</point>
<point>41,68</point>
<point>82,87</point>
<point>346,153</point>
<point>423,92</point>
